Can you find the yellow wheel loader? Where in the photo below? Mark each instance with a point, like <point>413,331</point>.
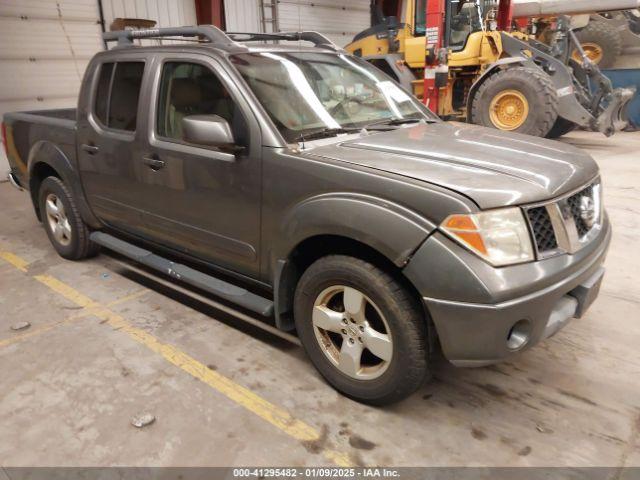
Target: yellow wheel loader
<point>486,74</point>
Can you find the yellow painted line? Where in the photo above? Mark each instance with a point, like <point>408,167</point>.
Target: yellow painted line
<point>126,298</point>
<point>14,260</point>
<point>280,418</point>
<point>82,314</point>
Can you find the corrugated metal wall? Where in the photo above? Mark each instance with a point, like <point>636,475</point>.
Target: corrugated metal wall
<point>339,20</point>
<point>45,46</point>
<point>242,15</point>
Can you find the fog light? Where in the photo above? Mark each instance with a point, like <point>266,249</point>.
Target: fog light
<point>519,335</point>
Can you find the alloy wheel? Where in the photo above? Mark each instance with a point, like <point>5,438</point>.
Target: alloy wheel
<point>352,332</point>
<point>57,219</point>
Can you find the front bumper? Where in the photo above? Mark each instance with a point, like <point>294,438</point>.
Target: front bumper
<point>484,315</point>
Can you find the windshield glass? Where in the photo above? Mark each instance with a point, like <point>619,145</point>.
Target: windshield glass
<point>311,92</point>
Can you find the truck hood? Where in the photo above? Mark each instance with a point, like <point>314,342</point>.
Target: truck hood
<point>491,167</point>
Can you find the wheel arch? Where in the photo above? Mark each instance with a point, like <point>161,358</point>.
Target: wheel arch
<point>288,271</point>
<point>366,218</point>
<point>371,228</point>
<point>47,159</point>
<point>501,64</point>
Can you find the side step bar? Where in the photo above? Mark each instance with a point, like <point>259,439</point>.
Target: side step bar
<point>210,284</point>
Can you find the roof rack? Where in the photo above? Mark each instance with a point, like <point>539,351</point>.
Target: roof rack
<point>316,38</point>
<point>126,37</point>
<point>216,36</point>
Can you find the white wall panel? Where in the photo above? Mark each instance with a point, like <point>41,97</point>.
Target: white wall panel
<point>242,15</point>
<point>167,13</point>
<point>43,39</point>
<point>45,46</point>
<point>339,20</point>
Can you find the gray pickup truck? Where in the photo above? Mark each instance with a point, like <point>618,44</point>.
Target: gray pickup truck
<point>302,184</point>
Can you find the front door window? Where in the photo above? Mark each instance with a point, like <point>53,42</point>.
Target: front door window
<point>193,89</point>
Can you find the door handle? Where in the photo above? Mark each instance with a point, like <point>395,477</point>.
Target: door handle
<point>90,149</point>
<point>153,163</point>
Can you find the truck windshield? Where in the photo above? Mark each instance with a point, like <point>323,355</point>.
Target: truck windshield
<point>306,93</point>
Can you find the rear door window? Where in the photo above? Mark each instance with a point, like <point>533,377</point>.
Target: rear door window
<point>117,95</point>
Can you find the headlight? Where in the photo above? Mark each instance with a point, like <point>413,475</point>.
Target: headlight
<point>501,237</point>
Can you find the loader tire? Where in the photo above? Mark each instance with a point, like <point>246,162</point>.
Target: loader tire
<point>518,99</point>
<point>602,43</point>
<point>561,127</point>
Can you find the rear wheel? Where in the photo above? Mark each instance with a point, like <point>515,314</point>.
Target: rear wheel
<point>363,331</point>
<point>519,99</point>
<point>65,228</point>
<point>601,42</point>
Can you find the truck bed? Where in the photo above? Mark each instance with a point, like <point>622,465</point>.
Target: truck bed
<point>38,129</point>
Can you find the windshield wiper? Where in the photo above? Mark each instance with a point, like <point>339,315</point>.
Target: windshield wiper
<point>324,133</point>
<point>398,121</point>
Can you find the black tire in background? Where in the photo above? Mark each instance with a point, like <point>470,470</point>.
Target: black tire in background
<point>561,127</point>
<point>533,84</point>
<point>77,246</point>
<point>408,367</point>
<point>634,22</point>
<point>606,37</point>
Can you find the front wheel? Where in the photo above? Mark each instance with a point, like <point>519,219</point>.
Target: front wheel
<point>518,99</point>
<point>363,331</point>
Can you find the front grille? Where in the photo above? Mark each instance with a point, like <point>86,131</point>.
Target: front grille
<point>542,229</point>
<point>574,205</point>
<point>565,225</point>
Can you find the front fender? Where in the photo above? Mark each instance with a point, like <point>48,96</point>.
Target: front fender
<point>389,228</point>
<point>392,230</point>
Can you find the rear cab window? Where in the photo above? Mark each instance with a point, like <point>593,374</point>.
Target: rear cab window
<point>117,94</point>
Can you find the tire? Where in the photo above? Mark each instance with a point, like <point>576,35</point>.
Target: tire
<point>389,310</point>
<point>602,36</point>
<point>561,127</point>
<point>538,114</point>
<point>71,237</point>
<point>634,22</point>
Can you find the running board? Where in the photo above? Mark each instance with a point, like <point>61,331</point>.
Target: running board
<point>210,284</point>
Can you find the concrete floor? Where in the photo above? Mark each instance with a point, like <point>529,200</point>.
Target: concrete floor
<point>225,393</point>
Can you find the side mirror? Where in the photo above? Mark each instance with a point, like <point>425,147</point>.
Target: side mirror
<point>209,130</point>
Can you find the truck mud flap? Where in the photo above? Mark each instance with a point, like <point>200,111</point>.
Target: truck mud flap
<point>215,286</point>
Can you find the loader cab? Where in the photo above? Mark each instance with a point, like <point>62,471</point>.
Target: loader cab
<point>462,18</point>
